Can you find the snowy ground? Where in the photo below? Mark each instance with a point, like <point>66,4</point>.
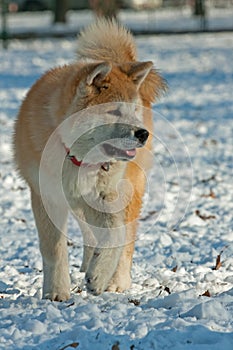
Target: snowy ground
<point>182,292</point>
<point>160,20</point>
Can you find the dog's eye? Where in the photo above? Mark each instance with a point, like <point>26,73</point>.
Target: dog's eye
<point>103,87</point>
<point>116,112</point>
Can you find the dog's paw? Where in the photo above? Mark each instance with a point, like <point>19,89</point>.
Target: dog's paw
<point>96,284</point>
<point>57,296</point>
<point>56,289</point>
<point>119,283</point>
<point>101,269</point>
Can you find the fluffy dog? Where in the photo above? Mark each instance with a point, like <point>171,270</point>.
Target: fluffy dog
<point>81,141</point>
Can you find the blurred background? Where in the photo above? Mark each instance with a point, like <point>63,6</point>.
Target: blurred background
<point>57,18</point>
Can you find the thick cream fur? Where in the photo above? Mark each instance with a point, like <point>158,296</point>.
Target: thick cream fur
<point>106,71</point>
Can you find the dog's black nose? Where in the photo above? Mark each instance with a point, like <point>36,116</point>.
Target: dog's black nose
<point>141,135</point>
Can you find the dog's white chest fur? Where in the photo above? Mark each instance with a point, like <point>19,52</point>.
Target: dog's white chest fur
<point>93,183</point>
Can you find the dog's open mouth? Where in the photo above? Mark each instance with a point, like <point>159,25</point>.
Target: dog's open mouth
<point>118,153</point>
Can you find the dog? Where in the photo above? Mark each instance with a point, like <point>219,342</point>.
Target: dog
<point>82,142</point>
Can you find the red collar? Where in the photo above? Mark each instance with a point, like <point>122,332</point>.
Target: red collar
<point>75,161</point>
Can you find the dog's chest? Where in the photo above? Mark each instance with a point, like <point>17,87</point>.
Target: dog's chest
<point>79,182</point>
<point>92,184</point>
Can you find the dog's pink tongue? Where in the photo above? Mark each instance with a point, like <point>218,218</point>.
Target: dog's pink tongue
<point>131,152</point>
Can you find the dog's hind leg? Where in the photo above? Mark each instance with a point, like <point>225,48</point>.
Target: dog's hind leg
<point>53,247</point>
<point>89,243</point>
<point>87,256</point>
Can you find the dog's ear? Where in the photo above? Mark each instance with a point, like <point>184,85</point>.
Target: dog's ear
<point>98,73</point>
<point>152,87</point>
<point>138,71</point>
<point>149,82</point>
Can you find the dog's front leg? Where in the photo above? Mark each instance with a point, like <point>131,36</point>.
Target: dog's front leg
<point>109,232</point>
<point>101,268</point>
<point>53,247</point>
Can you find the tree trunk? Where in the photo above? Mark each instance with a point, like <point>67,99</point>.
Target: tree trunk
<point>199,8</point>
<point>105,8</point>
<point>60,9</point>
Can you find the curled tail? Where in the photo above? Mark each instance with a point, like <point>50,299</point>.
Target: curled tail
<point>106,40</point>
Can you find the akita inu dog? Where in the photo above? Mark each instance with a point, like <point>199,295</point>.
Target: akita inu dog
<point>78,143</point>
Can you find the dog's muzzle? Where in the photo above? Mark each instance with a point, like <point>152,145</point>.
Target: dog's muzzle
<point>125,148</point>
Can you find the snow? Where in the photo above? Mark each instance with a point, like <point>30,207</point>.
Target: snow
<point>180,298</point>
<point>159,20</point>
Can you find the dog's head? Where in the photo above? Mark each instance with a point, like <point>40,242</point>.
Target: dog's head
<point>106,132</point>
<point>110,96</point>
<point>104,82</point>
